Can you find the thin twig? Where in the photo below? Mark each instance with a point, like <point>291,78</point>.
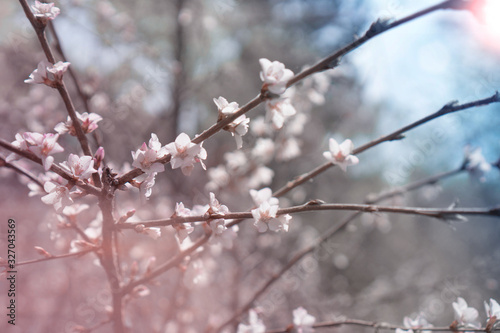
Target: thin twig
<point>83,96</point>
<point>53,257</point>
<point>20,170</point>
<point>40,32</point>
<point>396,135</point>
<point>54,168</point>
<point>315,205</point>
<point>384,326</point>
<point>330,233</point>
<point>375,29</point>
<point>175,261</point>
<point>329,62</point>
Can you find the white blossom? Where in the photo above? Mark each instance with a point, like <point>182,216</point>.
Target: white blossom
<point>45,11</point>
<point>255,325</point>
<point>226,238</point>
<point>219,177</point>
<point>417,323</point>
<point>89,123</point>
<point>48,73</point>
<point>146,186</point>
<point>262,175</point>
<point>263,195</point>
<point>153,232</point>
<point>260,127</point>
<point>238,127</point>
<point>341,154</point>
<point>218,225</point>
<point>185,154</point>
<point>303,321</point>
<point>274,75</point>
<point>289,149</point>
<point>182,229</point>
<point>57,195</point>
<point>263,150</point>
<point>492,309</point>
<point>278,110</point>
<point>476,164</point>
<point>146,156</point>
<point>265,218</point>
<point>464,314</point>
<point>196,274</point>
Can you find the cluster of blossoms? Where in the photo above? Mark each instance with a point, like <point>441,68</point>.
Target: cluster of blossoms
<point>89,123</point>
<point>220,233</point>
<point>265,215</point>
<point>302,322</point>
<point>247,168</point>
<point>48,73</point>
<point>340,154</point>
<point>58,192</point>
<point>465,317</point>
<point>42,145</point>
<point>238,127</point>
<point>184,154</point>
<point>275,77</point>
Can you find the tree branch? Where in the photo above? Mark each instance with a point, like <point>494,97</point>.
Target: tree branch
<point>60,256</point>
<point>40,32</point>
<point>396,135</point>
<point>175,261</point>
<point>54,168</point>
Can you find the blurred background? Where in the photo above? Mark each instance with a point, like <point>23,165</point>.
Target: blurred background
<point>154,67</point>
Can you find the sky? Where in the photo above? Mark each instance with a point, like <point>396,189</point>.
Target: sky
<point>417,68</point>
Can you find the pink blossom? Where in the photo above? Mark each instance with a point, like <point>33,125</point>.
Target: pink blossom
<point>274,75</point>
<point>303,321</point>
<point>58,195</point>
<point>89,123</point>
<point>238,127</point>
<point>99,156</point>
<point>45,11</point>
<point>185,154</point>
<point>42,145</point>
<point>79,167</point>
<point>278,110</point>
<point>341,154</point>
<point>48,73</point>
<point>145,158</point>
